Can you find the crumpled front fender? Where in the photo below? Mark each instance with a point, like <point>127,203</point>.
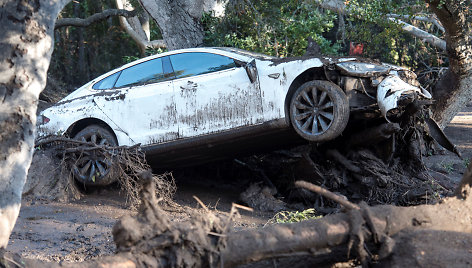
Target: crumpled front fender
<point>390,90</point>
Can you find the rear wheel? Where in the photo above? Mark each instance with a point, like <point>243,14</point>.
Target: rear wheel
<point>91,167</point>
<point>319,111</point>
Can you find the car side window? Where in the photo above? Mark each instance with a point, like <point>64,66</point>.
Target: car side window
<point>144,73</point>
<point>195,63</point>
<point>107,83</point>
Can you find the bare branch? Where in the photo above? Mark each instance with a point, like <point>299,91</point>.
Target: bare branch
<point>328,194</point>
<point>340,7</point>
<point>419,18</point>
<point>140,38</point>
<point>424,36</point>
<point>78,22</point>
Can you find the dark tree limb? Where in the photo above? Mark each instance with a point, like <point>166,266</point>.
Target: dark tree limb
<point>78,22</point>
<point>328,194</point>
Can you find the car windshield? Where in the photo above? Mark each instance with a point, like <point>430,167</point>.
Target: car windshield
<point>247,53</point>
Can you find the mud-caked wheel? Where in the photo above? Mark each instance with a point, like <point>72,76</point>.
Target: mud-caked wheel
<point>91,167</point>
<point>319,111</point>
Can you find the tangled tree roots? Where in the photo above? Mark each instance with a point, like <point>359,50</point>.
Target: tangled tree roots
<point>374,161</point>
<point>154,241</point>
<point>62,153</point>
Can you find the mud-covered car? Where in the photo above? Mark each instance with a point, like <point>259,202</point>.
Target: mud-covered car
<point>199,102</point>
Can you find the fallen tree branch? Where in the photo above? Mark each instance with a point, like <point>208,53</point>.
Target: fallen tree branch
<point>90,145</point>
<point>78,22</point>
<point>338,157</point>
<point>328,194</point>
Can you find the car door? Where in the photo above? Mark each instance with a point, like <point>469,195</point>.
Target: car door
<point>213,94</point>
<point>142,103</point>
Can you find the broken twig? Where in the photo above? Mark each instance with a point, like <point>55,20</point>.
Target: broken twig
<point>328,194</point>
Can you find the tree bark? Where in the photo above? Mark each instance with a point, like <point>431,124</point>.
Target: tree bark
<point>138,32</point>
<point>178,20</point>
<point>26,44</point>
<point>454,90</point>
<point>78,22</point>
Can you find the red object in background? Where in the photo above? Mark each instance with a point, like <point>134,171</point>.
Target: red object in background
<point>355,49</point>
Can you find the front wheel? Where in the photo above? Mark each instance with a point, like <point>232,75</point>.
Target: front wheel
<point>91,167</point>
<point>319,111</point>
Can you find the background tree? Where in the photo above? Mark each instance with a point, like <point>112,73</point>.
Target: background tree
<point>273,27</point>
<point>454,90</point>
<point>179,20</point>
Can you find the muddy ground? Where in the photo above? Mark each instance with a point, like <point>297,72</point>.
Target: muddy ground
<point>81,230</point>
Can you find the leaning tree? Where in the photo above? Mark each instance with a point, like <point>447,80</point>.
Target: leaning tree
<point>26,44</point>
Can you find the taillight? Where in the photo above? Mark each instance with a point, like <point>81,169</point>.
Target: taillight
<point>42,120</point>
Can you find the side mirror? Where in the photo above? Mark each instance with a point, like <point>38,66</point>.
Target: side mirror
<point>251,71</point>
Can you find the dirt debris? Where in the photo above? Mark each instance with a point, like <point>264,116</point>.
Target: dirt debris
<point>262,198</point>
<point>49,179</point>
<point>51,176</point>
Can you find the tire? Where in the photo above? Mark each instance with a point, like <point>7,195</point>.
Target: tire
<point>91,168</point>
<point>319,111</point>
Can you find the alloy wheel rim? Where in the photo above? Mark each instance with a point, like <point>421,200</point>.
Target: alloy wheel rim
<point>89,166</point>
<point>313,111</point>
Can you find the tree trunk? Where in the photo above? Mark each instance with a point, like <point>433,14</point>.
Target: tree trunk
<point>139,32</point>
<point>26,44</point>
<point>454,90</point>
<point>178,20</point>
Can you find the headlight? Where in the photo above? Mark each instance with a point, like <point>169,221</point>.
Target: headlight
<point>361,69</point>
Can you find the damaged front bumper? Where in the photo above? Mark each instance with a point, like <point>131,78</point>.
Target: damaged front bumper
<point>392,83</point>
<point>392,89</point>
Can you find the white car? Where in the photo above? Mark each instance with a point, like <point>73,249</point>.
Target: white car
<point>195,101</point>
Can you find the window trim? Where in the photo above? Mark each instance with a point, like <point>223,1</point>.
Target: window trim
<point>121,71</point>
<point>167,58</point>
<point>114,83</point>
<point>188,52</point>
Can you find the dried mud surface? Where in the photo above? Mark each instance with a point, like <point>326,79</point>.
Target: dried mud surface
<point>81,230</point>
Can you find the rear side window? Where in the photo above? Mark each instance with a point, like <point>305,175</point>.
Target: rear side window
<point>107,82</point>
<point>190,64</point>
<point>143,73</point>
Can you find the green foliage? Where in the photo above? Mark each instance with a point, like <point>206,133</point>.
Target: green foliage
<point>384,39</point>
<point>81,54</point>
<point>294,216</point>
<point>466,162</point>
<point>449,166</point>
<point>273,27</point>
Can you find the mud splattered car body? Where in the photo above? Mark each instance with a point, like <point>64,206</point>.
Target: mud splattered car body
<point>198,101</point>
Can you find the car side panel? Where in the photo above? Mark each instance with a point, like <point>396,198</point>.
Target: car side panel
<point>146,112</point>
<point>275,80</point>
<point>63,115</point>
<point>215,102</point>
